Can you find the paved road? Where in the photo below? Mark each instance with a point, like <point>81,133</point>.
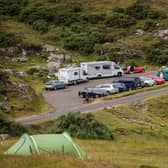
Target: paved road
<point>64,101</point>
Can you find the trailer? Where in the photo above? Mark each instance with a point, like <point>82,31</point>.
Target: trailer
<point>99,69</point>
<point>72,75</point>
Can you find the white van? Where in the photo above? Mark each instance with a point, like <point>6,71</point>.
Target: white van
<point>72,75</point>
<point>98,69</point>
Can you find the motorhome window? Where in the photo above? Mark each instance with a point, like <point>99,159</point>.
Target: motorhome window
<point>106,66</point>
<point>116,67</point>
<point>97,67</point>
<point>84,73</point>
<point>75,73</point>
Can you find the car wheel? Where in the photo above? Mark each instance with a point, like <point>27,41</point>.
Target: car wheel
<point>143,70</point>
<point>99,76</point>
<point>74,82</point>
<point>119,74</point>
<point>108,93</point>
<point>81,96</point>
<point>147,85</point>
<point>96,96</point>
<point>55,88</point>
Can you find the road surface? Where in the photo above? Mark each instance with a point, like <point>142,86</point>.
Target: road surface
<point>93,106</point>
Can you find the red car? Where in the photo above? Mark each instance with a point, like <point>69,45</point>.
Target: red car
<point>127,70</point>
<point>157,79</point>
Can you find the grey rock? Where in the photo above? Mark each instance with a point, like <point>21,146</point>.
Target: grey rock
<point>20,74</point>
<point>162,34</point>
<point>3,49</point>
<point>24,52</point>
<point>9,71</point>
<point>12,49</point>
<point>20,59</point>
<point>55,57</point>
<point>38,67</point>
<point>5,106</point>
<point>139,32</point>
<point>53,66</point>
<point>48,48</point>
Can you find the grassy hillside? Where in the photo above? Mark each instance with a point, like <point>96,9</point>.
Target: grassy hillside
<point>140,138</point>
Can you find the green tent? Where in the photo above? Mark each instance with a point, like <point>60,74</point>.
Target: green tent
<point>46,143</point>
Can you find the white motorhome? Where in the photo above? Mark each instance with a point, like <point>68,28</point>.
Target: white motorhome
<point>98,69</point>
<point>72,75</point>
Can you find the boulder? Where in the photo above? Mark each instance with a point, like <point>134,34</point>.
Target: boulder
<point>5,106</point>
<point>22,89</point>
<point>19,74</point>
<point>55,57</point>
<point>37,67</point>
<point>162,34</point>
<point>48,48</point>
<point>139,32</point>
<point>53,66</point>
<point>3,49</point>
<point>20,59</point>
<point>12,49</point>
<point>9,71</point>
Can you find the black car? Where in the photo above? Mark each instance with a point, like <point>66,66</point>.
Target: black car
<point>130,82</point>
<point>92,92</point>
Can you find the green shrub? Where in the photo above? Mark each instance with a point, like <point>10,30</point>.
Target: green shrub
<point>40,25</point>
<point>10,127</point>
<point>147,166</point>
<point>4,80</point>
<point>93,18</point>
<point>149,25</point>
<point>57,13</point>
<point>118,10</point>
<point>139,10</point>
<point>119,21</point>
<point>80,43</point>
<point>157,56</point>
<point>11,7</point>
<point>83,126</point>
<point>7,39</point>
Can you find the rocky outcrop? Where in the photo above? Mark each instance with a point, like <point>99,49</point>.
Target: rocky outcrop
<point>139,32</point>
<point>162,34</point>
<point>22,89</point>
<point>55,57</point>
<point>53,66</point>
<point>11,49</point>
<point>20,59</point>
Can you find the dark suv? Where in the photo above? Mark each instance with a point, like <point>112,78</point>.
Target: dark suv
<point>130,82</point>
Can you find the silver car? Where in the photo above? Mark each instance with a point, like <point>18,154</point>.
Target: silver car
<point>110,88</point>
<point>146,81</point>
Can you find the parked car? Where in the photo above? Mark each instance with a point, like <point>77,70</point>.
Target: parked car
<point>147,81</point>
<point>92,92</point>
<point>130,82</point>
<point>133,69</point>
<point>110,88</point>
<point>121,86</point>
<point>157,79</point>
<point>54,85</point>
